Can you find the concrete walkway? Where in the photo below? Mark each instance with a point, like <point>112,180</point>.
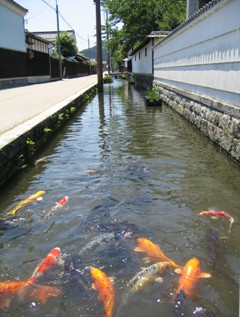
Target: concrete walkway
<point>23,107</point>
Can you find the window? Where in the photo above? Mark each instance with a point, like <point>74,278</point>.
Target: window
<point>145,51</point>
<point>139,55</point>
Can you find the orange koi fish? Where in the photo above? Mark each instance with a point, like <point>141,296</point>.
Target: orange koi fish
<point>153,251</point>
<point>37,196</point>
<point>190,274</point>
<point>103,285</point>
<point>46,263</point>
<point>90,172</point>
<point>214,214</point>
<point>27,289</point>
<point>41,160</point>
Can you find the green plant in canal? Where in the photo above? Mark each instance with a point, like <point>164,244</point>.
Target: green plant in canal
<point>30,142</point>
<point>61,116</point>
<point>131,80</point>
<point>22,161</point>
<point>152,95</point>
<point>47,130</point>
<point>73,109</point>
<point>107,79</point>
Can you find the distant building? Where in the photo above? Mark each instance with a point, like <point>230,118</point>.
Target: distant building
<point>13,52</point>
<point>192,7</point>
<point>140,60</point>
<point>50,36</point>
<point>38,58</point>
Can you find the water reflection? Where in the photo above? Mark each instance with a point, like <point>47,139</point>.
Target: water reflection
<point>154,173</point>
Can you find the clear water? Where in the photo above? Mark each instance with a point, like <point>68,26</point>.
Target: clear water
<point>154,173</point>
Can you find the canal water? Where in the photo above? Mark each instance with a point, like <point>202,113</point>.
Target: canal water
<point>129,171</point>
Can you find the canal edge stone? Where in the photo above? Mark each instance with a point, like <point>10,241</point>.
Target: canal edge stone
<point>20,145</point>
<point>219,121</point>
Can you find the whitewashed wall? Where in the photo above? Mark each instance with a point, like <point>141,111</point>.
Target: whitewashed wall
<point>12,33</point>
<point>142,63</point>
<point>204,56</point>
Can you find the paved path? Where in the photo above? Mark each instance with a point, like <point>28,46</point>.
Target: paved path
<point>23,108</point>
<point>18,105</point>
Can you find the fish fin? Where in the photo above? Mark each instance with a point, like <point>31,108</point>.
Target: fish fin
<point>230,226</point>
<point>143,268</point>
<point>147,259</point>
<point>138,249</point>
<point>5,302</point>
<point>205,275</point>
<point>112,279</point>
<point>39,198</point>
<point>12,211</point>
<point>42,292</point>
<point>159,279</point>
<point>93,286</point>
<point>178,270</point>
<point>215,218</point>
<point>195,293</point>
<point>223,238</point>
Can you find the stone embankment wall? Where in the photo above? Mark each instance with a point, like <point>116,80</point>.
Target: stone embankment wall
<point>25,148</point>
<point>197,71</point>
<point>217,120</point>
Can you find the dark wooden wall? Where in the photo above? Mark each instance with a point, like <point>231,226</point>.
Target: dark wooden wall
<point>15,64</point>
<point>12,64</point>
<point>38,63</point>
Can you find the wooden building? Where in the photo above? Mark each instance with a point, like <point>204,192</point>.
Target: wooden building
<point>13,51</point>
<point>140,60</point>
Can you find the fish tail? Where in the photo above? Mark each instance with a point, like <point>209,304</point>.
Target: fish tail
<point>231,222</point>
<point>5,302</point>
<point>14,210</point>
<point>41,293</point>
<point>173,264</point>
<point>31,280</point>
<point>138,249</point>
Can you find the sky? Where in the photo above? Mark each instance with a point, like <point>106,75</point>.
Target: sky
<point>79,15</point>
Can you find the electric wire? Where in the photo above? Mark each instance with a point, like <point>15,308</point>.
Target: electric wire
<point>65,20</point>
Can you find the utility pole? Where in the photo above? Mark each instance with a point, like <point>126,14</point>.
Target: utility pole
<point>108,49</point>
<point>59,46</point>
<point>89,57</point>
<point>99,46</point>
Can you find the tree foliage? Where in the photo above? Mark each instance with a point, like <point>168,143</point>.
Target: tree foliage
<point>131,20</point>
<point>138,18</point>
<point>67,44</point>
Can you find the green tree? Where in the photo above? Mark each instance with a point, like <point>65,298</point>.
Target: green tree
<point>67,44</point>
<point>138,18</point>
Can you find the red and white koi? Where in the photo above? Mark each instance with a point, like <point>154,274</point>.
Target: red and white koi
<point>28,290</point>
<point>214,214</point>
<point>59,204</point>
<point>46,263</point>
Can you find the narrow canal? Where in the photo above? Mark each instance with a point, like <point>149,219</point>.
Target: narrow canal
<point>129,171</point>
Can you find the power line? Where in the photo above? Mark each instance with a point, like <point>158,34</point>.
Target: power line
<point>50,6</point>
<point>71,27</point>
<point>37,14</point>
<point>65,20</point>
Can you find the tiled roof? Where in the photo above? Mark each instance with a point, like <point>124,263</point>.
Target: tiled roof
<point>51,35</point>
